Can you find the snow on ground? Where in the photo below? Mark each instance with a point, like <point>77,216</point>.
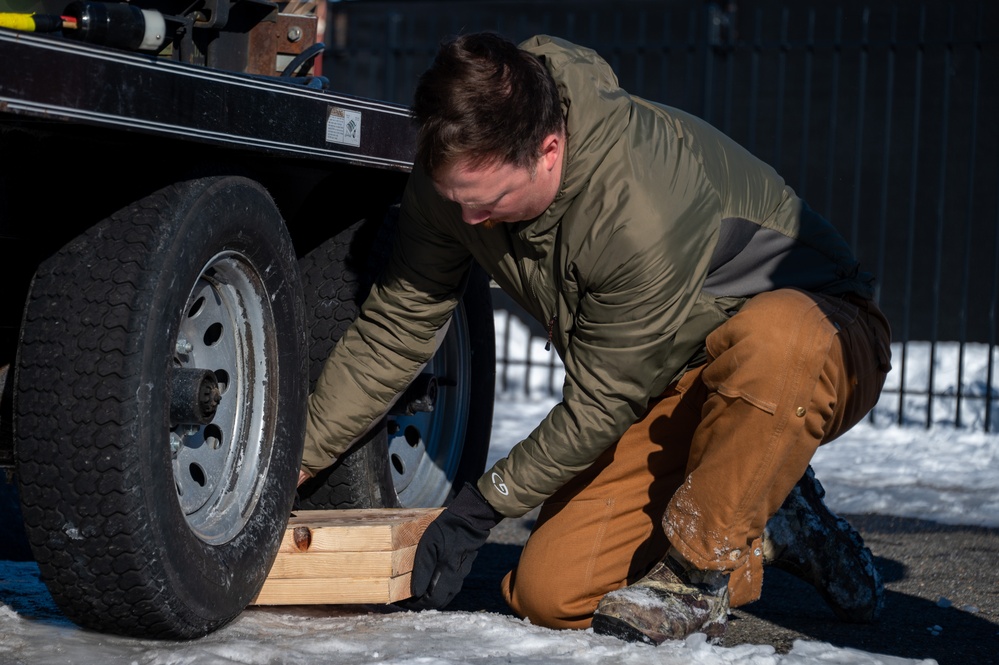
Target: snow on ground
<point>359,636</point>
<point>943,473</point>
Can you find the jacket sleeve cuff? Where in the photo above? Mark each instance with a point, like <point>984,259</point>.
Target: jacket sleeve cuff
<point>475,509</point>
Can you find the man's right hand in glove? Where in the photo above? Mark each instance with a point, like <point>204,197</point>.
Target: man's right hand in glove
<point>448,547</point>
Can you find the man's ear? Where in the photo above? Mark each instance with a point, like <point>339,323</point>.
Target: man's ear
<point>551,148</point>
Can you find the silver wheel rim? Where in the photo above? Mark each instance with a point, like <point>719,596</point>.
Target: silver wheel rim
<point>425,449</point>
<point>227,327</point>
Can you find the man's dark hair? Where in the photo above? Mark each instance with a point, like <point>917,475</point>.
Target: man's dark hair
<point>484,99</point>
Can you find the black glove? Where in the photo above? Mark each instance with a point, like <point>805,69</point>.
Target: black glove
<point>447,549</point>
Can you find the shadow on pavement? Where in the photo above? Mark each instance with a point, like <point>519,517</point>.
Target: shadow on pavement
<point>481,591</point>
<point>910,627</point>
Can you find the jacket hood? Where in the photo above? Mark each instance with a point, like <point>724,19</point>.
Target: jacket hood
<point>596,117</point>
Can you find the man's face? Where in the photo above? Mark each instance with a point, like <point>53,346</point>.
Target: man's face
<point>494,193</point>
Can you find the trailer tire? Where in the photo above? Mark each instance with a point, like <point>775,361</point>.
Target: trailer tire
<point>159,409</point>
<point>417,460</point>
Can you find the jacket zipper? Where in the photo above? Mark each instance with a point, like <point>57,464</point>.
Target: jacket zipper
<point>551,327</point>
<point>530,285</point>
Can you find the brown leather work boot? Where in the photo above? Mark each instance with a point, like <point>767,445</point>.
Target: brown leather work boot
<point>809,541</point>
<point>671,602</point>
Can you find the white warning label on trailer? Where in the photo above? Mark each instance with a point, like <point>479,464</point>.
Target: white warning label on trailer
<point>343,126</point>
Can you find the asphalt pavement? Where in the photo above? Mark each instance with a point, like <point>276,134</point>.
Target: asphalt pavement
<point>942,598</point>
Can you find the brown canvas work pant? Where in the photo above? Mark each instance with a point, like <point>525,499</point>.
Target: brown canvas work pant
<point>711,460</point>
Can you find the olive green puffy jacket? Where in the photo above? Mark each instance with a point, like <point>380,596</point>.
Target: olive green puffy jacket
<point>663,227</point>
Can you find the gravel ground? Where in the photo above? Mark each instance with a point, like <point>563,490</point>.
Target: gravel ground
<point>942,593</point>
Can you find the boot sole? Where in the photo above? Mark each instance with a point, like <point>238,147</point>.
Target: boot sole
<point>605,625</point>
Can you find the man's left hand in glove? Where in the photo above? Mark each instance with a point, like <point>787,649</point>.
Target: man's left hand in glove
<point>448,547</point>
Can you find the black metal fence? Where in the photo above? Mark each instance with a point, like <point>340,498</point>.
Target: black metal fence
<point>881,114</point>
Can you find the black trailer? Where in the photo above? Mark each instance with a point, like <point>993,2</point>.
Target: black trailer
<point>190,218</point>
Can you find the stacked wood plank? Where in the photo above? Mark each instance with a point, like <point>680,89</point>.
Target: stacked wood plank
<point>346,557</point>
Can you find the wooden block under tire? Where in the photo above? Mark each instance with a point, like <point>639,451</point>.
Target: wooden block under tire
<point>331,557</point>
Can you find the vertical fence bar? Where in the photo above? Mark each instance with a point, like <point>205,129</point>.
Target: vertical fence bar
<point>641,49</point>
<point>941,199</point>
<point>667,52</point>
<point>728,52</point>
<point>962,311</point>
<point>352,60</point>
<point>391,52</point>
<point>499,23</point>
<point>885,172</point>
<point>782,50</point>
<point>991,373</point>
<point>806,107</point>
<point>858,146</point>
<point>993,305</point>
<point>413,63</point>
<point>754,78</point>
<point>506,352</point>
<point>546,24</point>
<point>690,62</point>
<point>615,48</point>
<point>708,63</point>
<point>554,365</point>
<point>528,366</point>
<point>917,103</point>
<point>834,118</point>
<point>595,31</point>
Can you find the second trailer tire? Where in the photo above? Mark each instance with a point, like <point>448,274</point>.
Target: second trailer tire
<point>417,459</point>
<point>159,409</point>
